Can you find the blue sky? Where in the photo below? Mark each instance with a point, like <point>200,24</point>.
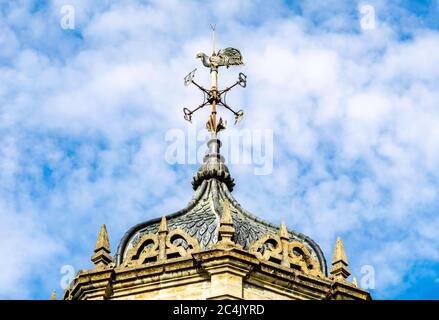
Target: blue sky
<point>84,114</point>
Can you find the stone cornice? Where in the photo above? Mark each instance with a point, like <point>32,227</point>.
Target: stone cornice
<point>204,267</point>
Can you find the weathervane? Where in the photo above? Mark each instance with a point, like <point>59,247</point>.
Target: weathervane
<point>224,57</point>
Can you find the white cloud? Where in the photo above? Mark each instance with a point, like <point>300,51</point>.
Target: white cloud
<point>24,243</point>
<point>83,127</point>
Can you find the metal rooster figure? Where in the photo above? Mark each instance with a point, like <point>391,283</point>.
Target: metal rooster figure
<point>225,57</point>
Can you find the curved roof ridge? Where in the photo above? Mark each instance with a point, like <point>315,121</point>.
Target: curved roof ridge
<point>201,190</point>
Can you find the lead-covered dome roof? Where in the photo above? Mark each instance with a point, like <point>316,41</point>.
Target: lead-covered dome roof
<point>200,218</point>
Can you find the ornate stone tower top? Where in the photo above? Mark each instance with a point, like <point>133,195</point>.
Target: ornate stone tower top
<point>201,218</point>
<point>213,248</point>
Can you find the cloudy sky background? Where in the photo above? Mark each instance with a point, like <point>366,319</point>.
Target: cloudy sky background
<point>355,116</point>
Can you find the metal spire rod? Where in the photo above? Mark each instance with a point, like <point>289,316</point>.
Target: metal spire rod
<point>212,26</point>
<point>214,77</point>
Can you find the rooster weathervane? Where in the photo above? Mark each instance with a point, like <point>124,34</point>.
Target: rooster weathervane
<point>224,57</point>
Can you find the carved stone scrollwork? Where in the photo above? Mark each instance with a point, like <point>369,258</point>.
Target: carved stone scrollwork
<point>177,241</point>
<point>277,248</point>
<point>268,247</point>
<point>145,251</point>
<point>300,255</point>
<point>162,246</point>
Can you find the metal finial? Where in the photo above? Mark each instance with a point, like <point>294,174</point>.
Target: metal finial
<point>225,57</point>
